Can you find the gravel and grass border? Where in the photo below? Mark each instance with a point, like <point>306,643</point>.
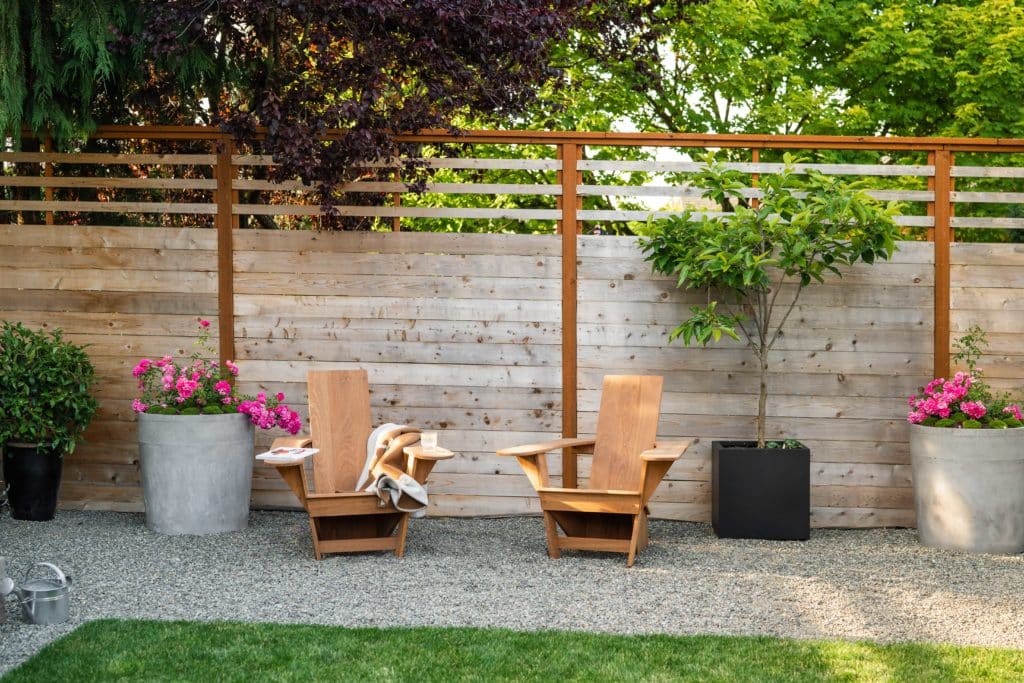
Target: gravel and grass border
<point>876,585</point>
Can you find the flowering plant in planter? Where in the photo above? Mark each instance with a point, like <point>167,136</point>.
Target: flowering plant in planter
<point>966,401</point>
<point>199,386</point>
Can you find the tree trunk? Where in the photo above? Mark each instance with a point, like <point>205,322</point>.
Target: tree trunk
<point>762,400</point>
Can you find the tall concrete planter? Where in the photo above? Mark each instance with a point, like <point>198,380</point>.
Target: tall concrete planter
<point>969,488</point>
<point>196,472</point>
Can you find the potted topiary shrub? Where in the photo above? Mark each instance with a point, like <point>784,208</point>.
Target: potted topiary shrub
<point>967,459</point>
<point>46,403</point>
<point>196,441</point>
<point>753,262</point>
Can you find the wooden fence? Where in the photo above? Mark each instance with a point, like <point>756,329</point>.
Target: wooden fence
<point>500,339</point>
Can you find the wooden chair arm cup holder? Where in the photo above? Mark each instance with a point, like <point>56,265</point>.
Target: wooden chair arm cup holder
<point>628,464</point>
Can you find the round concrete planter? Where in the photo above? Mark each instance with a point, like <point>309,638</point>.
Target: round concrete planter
<point>196,472</point>
<point>969,488</point>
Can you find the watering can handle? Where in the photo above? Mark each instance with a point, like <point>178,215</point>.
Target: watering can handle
<point>56,570</point>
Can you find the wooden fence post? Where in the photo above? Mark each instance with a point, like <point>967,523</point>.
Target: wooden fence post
<point>941,210</point>
<point>48,172</point>
<point>224,172</point>
<point>568,229</point>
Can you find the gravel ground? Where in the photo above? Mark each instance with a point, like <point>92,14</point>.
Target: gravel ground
<point>876,584</point>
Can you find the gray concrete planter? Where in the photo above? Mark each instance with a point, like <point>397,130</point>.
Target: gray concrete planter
<point>196,472</point>
<point>969,488</point>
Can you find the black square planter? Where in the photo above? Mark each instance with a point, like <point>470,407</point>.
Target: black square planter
<point>762,493</point>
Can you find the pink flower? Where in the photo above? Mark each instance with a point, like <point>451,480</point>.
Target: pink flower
<point>1014,410</point>
<point>222,387</point>
<point>185,387</point>
<point>974,409</point>
<point>261,397</point>
<point>280,396</point>
<point>916,417</point>
<point>204,323</point>
<point>142,367</point>
<point>230,365</point>
<point>138,406</point>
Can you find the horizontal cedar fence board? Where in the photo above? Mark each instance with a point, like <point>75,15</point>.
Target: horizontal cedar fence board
<point>401,243</point>
<point>107,258</point>
<point>392,211</point>
<point>607,246</point>
<point>401,308</point>
<point>399,285</point>
<point>747,167</point>
<point>105,182</point>
<point>394,330</point>
<point>434,265</point>
<point>112,158</point>
<point>108,207</point>
<point>693,192</point>
<point>107,237</point>
<point>429,188</point>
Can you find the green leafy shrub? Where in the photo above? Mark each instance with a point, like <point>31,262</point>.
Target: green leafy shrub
<point>753,262</point>
<point>45,388</point>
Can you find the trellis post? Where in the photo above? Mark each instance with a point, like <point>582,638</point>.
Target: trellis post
<point>940,208</point>
<point>225,221</point>
<point>568,152</point>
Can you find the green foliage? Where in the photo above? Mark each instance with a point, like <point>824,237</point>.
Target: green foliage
<point>45,388</point>
<point>970,347</point>
<point>784,444</point>
<point>212,410</point>
<point>949,422</point>
<point>54,55</point>
<point>967,424</point>
<point>108,649</point>
<point>756,261</point>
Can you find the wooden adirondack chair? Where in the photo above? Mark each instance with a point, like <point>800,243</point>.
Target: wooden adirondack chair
<point>628,464</point>
<point>342,519</point>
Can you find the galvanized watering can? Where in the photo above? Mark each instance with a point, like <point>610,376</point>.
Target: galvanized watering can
<point>44,601</point>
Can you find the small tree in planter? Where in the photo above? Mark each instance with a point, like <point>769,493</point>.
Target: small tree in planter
<point>754,262</point>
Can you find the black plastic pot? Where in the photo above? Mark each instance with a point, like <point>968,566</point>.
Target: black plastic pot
<point>760,493</point>
<point>32,475</point>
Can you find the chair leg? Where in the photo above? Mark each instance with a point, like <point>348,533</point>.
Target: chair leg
<point>644,537</point>
<point>634,539</point>
<point>316,540</point>
<point>403,529</point>
<point>552,533</point>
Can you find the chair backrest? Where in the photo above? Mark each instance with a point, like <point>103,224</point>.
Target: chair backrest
<point>627,425</point>
<point>339,422</point>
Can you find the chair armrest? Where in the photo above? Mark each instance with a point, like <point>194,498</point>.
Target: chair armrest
<point>665,450</point>
<point>421,461</point>
<point>540,448</point>
<point>656,463</point>
<point>292,442</point>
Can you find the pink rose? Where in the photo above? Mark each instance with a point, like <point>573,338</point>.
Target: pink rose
<point>204,323</point>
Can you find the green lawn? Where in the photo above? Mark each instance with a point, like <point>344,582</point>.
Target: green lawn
<point>111,650</point>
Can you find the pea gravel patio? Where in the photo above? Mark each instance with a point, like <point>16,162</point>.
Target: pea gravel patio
<point>874,584</point>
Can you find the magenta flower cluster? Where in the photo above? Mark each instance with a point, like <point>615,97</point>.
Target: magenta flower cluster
<point>200,386</point>
<point>944,399</point>
<point>264,416</point>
